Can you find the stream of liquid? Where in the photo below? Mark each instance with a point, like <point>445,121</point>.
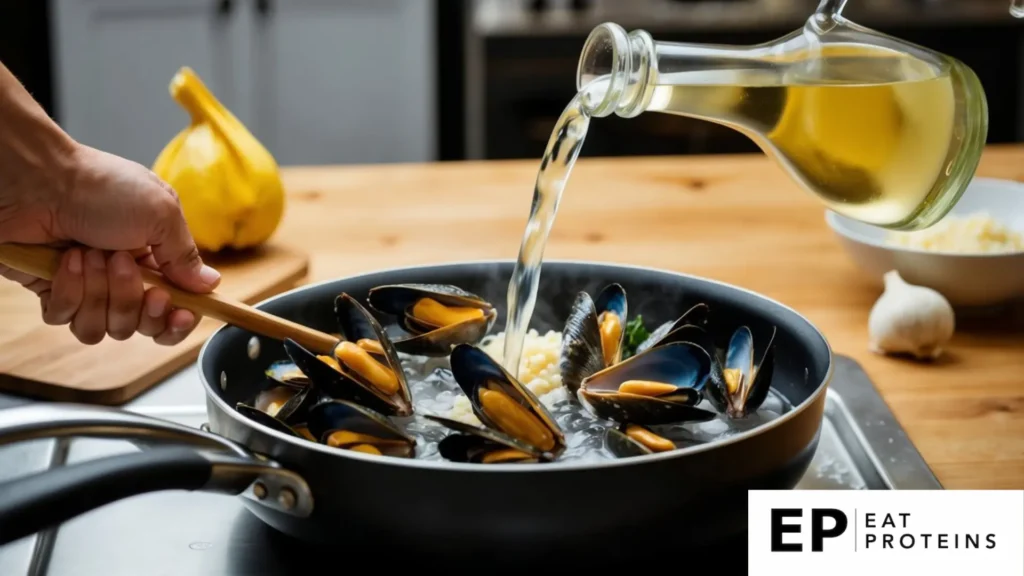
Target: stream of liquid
<point>562,150</point>
<point>874,133</point>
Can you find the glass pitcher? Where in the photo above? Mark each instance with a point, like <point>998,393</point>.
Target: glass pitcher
<point>883,131</point>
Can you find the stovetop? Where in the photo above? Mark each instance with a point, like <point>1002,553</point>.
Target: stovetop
<point>862,447</point>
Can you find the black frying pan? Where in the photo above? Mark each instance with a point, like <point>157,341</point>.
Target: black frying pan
<point>317,493</point>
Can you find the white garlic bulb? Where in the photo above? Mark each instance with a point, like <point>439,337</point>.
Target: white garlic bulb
<point>909,319</point>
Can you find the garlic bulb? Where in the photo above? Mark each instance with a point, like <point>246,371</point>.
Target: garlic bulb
<point>909,319</point>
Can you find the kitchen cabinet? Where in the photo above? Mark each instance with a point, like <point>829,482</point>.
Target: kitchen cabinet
<point>346,81</point>
<point>317,81</point>
<point>115,58</point>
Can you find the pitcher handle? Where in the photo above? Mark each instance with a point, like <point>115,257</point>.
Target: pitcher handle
<point>185,459</point>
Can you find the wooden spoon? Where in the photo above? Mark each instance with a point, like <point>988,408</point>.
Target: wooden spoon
<point>44,261</point>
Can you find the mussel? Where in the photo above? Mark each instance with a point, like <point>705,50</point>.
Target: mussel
<point>742,380</point>
<point>481,445</point>
<point>261,417</point>
<point>438,316</point>
<point>349,426</point>
<point>503,404</point>
<point>353,372</point>
<point>287,373</point>
<point>287,404</point>
<point>594,334</point>
<point>660,386</point>
<point>740,373</point>
<point>635,440</point>
<point>359,327</point>
<point>695,317</point>
<point>281,407</point>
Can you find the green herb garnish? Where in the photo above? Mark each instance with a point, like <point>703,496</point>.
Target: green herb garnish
<point>636,333</point>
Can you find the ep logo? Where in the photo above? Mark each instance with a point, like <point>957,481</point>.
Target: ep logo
<point>825,523</point>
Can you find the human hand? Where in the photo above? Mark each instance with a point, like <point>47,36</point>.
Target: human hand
<point>125,217</point>
<point>114,213</point>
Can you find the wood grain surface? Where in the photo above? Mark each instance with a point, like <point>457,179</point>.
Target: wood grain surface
<point>736,219</point>
<point>48,362</point>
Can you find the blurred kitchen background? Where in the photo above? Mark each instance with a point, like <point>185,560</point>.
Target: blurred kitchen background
<point>367,81</point>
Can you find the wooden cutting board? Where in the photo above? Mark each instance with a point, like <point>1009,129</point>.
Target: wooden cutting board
<point>47,362</point>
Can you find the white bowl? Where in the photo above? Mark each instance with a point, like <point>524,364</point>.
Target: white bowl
<point>966,280</point>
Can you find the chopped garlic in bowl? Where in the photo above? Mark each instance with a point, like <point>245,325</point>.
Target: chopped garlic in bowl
<point>974,256</point>
<point>977,233</point>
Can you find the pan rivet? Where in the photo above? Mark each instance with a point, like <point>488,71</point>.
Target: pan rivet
<point>286,498</point>
<point>254,348</point>
<point>259,490</point>
<point>223,380</point>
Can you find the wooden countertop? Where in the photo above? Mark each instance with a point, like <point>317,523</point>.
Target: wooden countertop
<point>736,219</point>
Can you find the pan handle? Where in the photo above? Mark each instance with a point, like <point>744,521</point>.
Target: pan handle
<point>34,421</point>
<point>195,460</point>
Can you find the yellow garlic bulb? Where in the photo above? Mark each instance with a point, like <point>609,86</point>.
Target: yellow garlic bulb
<point>229,184</point>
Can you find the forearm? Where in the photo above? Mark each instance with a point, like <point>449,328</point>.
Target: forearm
<point>36,155</point>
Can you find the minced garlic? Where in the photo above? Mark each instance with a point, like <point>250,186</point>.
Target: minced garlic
<point>977,233</point>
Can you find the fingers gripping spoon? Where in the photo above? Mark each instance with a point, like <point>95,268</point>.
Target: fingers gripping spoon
<point>44,261</point>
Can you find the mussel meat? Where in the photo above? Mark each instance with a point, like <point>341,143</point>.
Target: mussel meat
<point>438,316</point>
<point>502,403</point>
<point>288,418</point>
<point>359,327</point>
<point>635,440</point>
<point>660,386</point>
<point>286,404</point>
<point>349,426</point>
<point>481,445</point>
<point>744,378</point>
<point>594,334</point>
<point>273,398</point>
<point>366,345</point>
<point>353,373</point>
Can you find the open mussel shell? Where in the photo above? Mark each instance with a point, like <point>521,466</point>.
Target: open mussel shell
<point>296,408</point>
<point>481,445</point>
<point>358,325</point>
<point>693,334</point>
<point>696,335</point>
<point>396,298</point>
<point>501,403</point>
<point>349,426</point>
<point>623,446</point>
<point>261,417</point>
<point>611,305</point>
<point>429,337</point>
<point>287,373</point>
<point>586,348</point>
<point>287,402</point>
<point>696,316</point>
<point>680,369</point>
<point>635,440</point>
<point>747,368</point>
<point>272,396</point>
<point>468,448</point>
<point>345,385</point>
<point>581,344</point>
